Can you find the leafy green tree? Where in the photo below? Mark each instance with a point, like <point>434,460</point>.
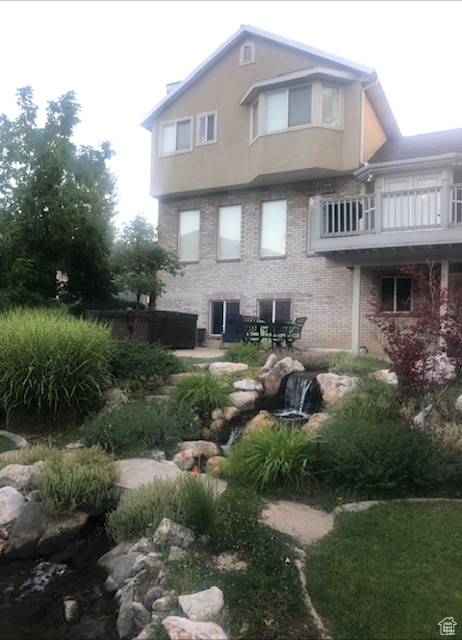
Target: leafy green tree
<point>138,261</point>
<point>56,206</point>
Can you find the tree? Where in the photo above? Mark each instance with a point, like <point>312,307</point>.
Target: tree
<point>425,349</point>
<point>138,260</point>
<point>56,206</point>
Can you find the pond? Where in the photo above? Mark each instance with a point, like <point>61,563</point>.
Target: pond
<point>31,607</point>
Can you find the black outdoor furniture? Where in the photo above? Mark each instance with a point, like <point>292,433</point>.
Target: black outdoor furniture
<point>251,330</point>
<point>295,332</point>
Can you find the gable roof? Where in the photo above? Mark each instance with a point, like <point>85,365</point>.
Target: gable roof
<point>431,144</point>
<point>366,74</point>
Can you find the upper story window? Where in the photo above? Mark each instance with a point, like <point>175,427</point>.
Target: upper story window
<point>206,128</point>
<point>229,232</point>
<point>288,108</point>
<point>273,228</point>
<point>188,235</point>
<point>330,106</point>
<point>255,119</point>
<point>247,53</point>
<point>175,137</point>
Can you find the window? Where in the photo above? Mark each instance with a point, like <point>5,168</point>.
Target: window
<point>255,108</point>
<point>175,137</point>
<point>330,106</point>
<point>223,315</point>
<point>229,232</point>
<point>188,235</point>
<point>395,294</point>
<point>207,128</point>
<point>288,108</point>
<point>247,53</point>
<point>274,310</point>
<point>273,228</point>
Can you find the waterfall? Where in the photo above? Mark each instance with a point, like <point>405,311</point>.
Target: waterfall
<point>297,397</point>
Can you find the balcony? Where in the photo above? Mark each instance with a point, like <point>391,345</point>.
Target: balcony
<point>385,222</point>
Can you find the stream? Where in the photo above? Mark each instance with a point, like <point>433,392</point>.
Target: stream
<point>31,606</point>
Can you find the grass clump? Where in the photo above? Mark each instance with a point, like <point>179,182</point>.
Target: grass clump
<point>139,426</point>
<point>188,500</point>
<point>202,393</point>
<point>247,353</point>
<point>52,366</point>
<point>398,582</point>
<point>81,483</point>
<point>351,364</point>
<point>271,458</point>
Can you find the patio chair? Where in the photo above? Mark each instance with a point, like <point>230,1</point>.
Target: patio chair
<point>251,330</point>
<point>295,333</point>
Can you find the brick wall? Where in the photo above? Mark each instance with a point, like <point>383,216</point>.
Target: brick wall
<point>323,294</point>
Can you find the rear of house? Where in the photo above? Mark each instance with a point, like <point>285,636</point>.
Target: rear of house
<point>287,190</point>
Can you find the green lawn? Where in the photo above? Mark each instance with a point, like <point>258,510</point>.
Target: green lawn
<point>392,572</point>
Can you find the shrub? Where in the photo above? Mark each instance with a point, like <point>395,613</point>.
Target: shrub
<point>370,460</point>
<point>202,393</point>
<point>141,425</point>
<point>237,512</point>
<point>247,353</point>
<point>187,500</point>
<point>52,366</point>
<point>138,359</point>
<point>272,457</point>
<point>343,363</point>
<point>80,483</point>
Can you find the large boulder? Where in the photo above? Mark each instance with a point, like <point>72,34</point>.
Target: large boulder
<point>280,370</point>
<point>201,448</point>
<point>223,368</point>
<point>34,532</point>
<point>334,387</point>
<point>19,476</point>
<point>170,533</point>
<point>260,421</point>
<point>314,422</point>
<point>202,605</point>
<point>11,505</point>
<point>245,400</point>
<point>247,384</point>
<point>387,376</point>
<point>184,629</point>
<point>134,472</point>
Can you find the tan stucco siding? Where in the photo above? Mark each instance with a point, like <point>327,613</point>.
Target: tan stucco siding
<point>373,134</point>
<point>231,161</point>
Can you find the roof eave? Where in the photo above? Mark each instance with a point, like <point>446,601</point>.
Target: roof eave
<point>378,168</point>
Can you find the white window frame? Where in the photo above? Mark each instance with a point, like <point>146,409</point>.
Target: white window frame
<point>220,210</point>
<point>339,110</point>
<point>175,122</point>
<point>262,216</point>
<point>195,259</point>
<point>206,115</point>
<point>287,127</point>
<point>242,60</point>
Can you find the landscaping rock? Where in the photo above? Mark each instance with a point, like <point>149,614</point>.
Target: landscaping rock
<point>387,376</point>
<point>203,605</point>
<point>245,400</point>
<point>36,533</point>
<point>135,472</point>
<point>18,441</point>
<point>260,421</point>
<point>154,593</point>
<point>218,414</point>
<point>19,476</point>
<point>248,385</point>
<point>184,629</point>
<point>215,464</point>
<point>11,505</point>
<point>314,422</point>
<point>231,414</point>
<point>115,398</point>
<point>220,430</point>
<point>223,368</point>
<point>201,448</point>
<point>170,533</point>
<point>334,387</point>
<point>280,370</point>
<point>269,364</point>
<point>71,609</point>
<point>162,604</point>
<point>184,460</point>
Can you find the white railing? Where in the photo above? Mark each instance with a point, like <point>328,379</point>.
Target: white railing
<point>347,216</point>
<point>409,210</point>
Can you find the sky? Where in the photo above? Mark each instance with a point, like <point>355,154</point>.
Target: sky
<point>118,55</point>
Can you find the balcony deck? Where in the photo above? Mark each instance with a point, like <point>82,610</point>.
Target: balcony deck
<point>388,221</point>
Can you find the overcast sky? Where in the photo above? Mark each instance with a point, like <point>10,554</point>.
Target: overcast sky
<point>119,55</point>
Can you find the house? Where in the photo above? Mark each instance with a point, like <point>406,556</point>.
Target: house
<point>287,189</point>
